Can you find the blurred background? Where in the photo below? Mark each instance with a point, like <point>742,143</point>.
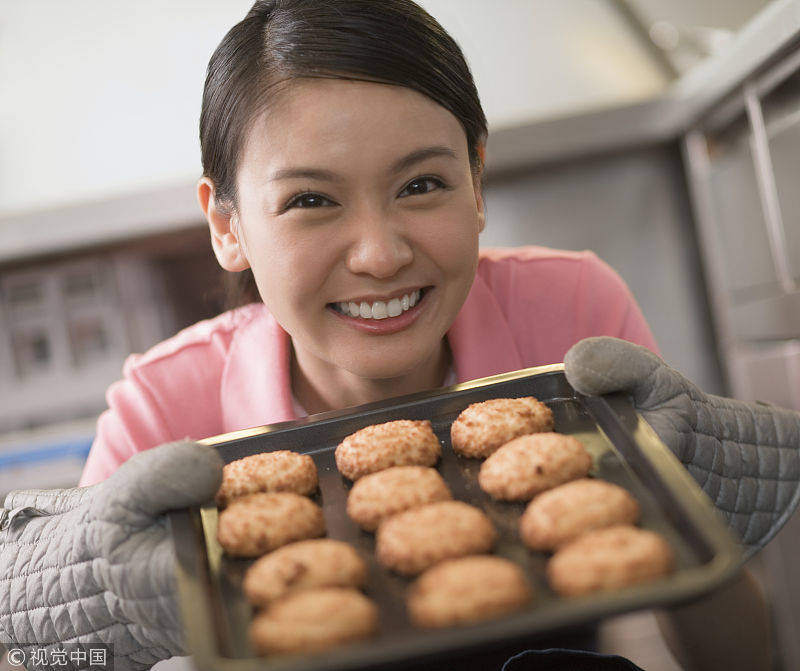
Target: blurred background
<point>662,134</point>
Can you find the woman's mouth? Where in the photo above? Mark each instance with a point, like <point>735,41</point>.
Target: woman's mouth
<point>379,309</point>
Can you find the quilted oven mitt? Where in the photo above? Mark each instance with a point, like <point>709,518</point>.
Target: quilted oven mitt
<point>745,455</point>
<point>95,565</point>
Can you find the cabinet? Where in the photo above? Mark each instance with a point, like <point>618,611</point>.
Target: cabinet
<point>66,324</point>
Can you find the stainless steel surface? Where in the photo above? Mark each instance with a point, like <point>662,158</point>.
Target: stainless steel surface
<point>767,189</point>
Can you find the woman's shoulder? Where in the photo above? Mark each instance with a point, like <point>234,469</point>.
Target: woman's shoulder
<point>532,256</point>
<point>531,264</point>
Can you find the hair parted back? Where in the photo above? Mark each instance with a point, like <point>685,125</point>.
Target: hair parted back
<point>388,41</point>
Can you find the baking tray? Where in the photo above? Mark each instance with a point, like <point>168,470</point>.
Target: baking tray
<point>625,450</point>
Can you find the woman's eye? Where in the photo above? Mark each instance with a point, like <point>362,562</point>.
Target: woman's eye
<point>309,200</point>
<point>421,186</point>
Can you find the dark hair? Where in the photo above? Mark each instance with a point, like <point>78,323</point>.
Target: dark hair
<point>389,41</point>
<point>386,41</point>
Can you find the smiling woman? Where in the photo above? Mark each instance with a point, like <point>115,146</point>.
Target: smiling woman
<point>392,232</point>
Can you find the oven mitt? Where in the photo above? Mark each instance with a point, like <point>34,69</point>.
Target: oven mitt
<point>745,455</point>
<point>95,566</point>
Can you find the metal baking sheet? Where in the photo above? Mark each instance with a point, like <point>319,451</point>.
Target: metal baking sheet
<point>625,450</point>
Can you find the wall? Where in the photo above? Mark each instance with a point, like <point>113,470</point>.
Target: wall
<point>102,97</point>
<point>632,209</point>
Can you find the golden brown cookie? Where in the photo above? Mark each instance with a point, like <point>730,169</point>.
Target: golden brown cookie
<point>318,562</point>
<point>258,523</point>
<point>403,442</point>
<point>393,490</point>
<point>279,471</point>
<point>561,514</point>
<point>609,559</point>
<point>483,427</point>
<point>530,464</point>
<point>416,539</point>
<point>468,589</point>
<point>313,620</point>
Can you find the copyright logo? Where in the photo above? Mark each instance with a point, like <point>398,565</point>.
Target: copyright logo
<point>16,657</point>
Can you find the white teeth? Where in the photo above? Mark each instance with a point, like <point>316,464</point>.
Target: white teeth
<point>379,309</point>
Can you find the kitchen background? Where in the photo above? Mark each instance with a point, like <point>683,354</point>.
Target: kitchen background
<point>661,134</point>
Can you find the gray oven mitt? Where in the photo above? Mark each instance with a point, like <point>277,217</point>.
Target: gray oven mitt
<point>95,566</point>
<point>745,455</point>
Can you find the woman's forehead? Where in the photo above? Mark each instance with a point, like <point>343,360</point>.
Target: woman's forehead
<point>330,119</point>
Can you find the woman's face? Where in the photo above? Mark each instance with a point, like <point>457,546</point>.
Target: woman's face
<point>359,216</point>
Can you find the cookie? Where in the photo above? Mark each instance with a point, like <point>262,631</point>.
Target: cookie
<point>483,427</point>
<point>319,562</point>
<point>379,495</point>
<point>530,464</point>
<point>258,523</point>
<point>609,559</point>
<point>279,471</point>
<point>468,589</point>
<point>557,516</point>
<point>403,442</point>
<point>313,620</point>
<point>416,539</point>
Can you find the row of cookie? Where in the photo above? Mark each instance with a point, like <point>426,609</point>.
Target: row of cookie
<point>308,597</point>
<point>306,590</point>
<point>477,432</point>
<point>589,526</point>
<point>587,523</point>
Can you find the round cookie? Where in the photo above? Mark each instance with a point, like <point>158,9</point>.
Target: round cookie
<point>318,562</point>
<point>258,523</point>
<point>483,427</point>
<point>279,471</point>
<point>378,495</point>
<point>557,516</point>
<point>416,539</point>
<point>403,442</point>
<point>609,559</point>
<point>530,464</point>
<point>468,589</point>
<point>313,620</point>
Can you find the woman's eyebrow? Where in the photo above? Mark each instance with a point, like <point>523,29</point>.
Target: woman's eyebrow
<point>305,173</point>
<point>407,161</point>
<point>419,155</point>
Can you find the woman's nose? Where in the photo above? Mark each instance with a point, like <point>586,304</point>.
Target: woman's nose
<point>378,248</point>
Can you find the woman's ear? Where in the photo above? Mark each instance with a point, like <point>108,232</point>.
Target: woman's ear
<point>224,233</point>
<point>481,205</point>
<point>477,185</point>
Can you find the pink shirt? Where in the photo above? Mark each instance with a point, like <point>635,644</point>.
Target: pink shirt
<point>526,308</point>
